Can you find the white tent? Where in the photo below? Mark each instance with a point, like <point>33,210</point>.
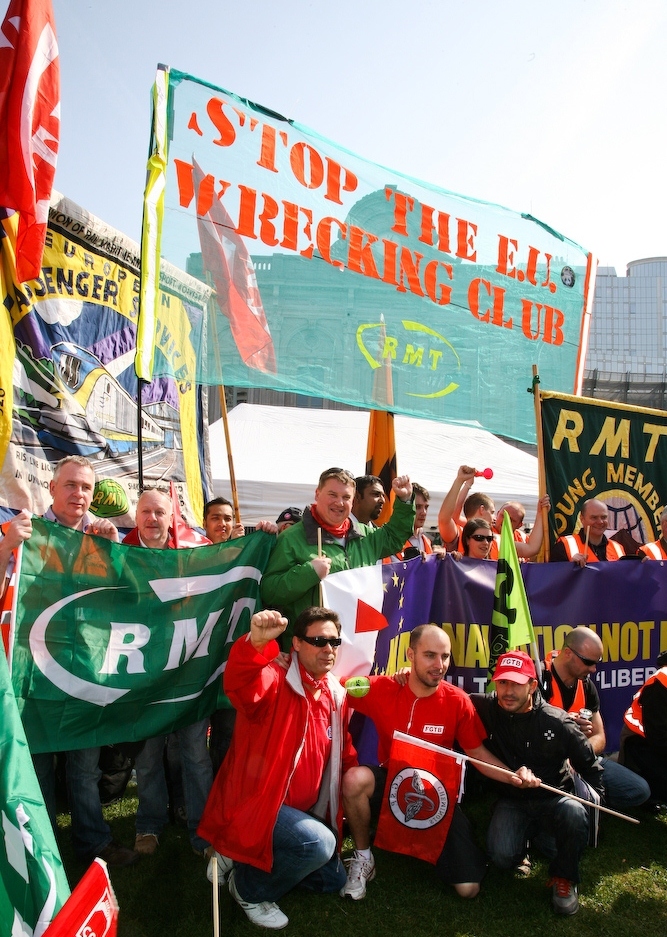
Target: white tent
<point>279,453</point>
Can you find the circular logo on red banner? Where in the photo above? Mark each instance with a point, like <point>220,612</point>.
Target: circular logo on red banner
<point>418,799</point>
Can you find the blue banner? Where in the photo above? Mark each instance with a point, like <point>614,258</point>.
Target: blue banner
<point>624,603</point>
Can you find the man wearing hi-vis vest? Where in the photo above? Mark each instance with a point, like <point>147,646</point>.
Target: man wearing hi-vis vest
<point>567,684</point>
<point>590,545</point>
<point>658,549</point>
<point>644,735</point>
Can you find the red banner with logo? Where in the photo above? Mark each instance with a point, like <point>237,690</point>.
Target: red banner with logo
<point>423,785</point>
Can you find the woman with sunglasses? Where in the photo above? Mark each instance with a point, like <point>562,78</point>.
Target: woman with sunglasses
<point>477,537</point>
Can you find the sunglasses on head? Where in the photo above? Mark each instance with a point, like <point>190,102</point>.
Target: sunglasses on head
<point>480,537</point>
<point>585,660</point>
<point>321,641</point>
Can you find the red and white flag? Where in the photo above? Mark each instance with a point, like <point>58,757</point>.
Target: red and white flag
<point>357,595</point>
<point>29,124</point>
<point>184,535</point>
<point>91,910</point>
<point>423,787</point>
<point>226,258</point>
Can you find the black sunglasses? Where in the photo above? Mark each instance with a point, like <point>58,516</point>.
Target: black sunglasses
<point>321,641</point>
<point>584,660</point>
<point>480,537</point>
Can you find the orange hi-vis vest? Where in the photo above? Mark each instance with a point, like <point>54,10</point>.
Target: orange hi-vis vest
<point>633,716</point>
<point>579,701</point>
<point>574,544</point>
<point>426,548</point>
<point>654,551</point>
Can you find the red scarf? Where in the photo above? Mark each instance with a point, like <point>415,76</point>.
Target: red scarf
<point>340,532</point>
<point>309,680</point>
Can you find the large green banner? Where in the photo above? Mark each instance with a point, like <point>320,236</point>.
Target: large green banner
<point>325,264</point>
<point>616,453</point>
<point>118,643</point>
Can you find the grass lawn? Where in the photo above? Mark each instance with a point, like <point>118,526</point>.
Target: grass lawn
<point>623,891</point>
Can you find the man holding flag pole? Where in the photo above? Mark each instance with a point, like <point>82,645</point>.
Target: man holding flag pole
<point>523,729</point>
<point>425,707</point>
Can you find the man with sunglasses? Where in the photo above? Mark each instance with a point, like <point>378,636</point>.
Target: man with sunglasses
<point>567,685</point>
<point>275,803</point>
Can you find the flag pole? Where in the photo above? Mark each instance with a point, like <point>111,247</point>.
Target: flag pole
<point>216,898</point>
<point>541,470</point>
<point>223,412</point>
<point>320,554</point>
<point>546,787</point>
<point>230,458</point>
<point>381,443</point>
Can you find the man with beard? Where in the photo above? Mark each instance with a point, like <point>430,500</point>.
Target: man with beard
<point>523,729</point>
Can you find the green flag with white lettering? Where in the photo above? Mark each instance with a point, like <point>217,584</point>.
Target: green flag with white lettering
<point>120,643</point>
<point>33,886</point>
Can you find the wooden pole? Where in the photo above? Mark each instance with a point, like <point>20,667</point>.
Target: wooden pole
<point>553,790</point>
<point>541,471</point>
<point>216,897</point>
<point>230,458</point>
<point>140,442</point>
<point>485,764</point>
<point>223,406</point>
<point>320,554</point>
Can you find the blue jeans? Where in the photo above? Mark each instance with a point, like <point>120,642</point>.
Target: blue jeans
<point>555,826</point>
<point>623,788</point>
<point>90,831</point>
<point>46,775</point>
<point>304,851</point>
<point>152,813</point>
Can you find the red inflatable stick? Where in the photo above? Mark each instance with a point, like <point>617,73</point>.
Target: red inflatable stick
<point>487,473</point>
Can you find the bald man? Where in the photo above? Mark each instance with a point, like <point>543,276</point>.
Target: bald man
<point>589,545</point>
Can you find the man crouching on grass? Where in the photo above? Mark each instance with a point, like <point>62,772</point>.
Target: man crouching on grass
<point>277,794</point>
<point>424,705</point>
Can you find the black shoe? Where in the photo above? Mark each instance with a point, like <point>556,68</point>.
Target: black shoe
<point>117,856</point>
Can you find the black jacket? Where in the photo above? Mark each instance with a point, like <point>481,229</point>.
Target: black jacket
<point>543,739</point>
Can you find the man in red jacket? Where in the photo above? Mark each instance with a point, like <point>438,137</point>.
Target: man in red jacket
<point>276,798</point>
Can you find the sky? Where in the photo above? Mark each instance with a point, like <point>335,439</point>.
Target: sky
<point>556,109</point>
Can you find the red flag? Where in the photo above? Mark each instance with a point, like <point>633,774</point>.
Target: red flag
<point>29,124</point>
<point>423,785</point>
<point>184,535</point>
<point>227,260</point>
<point>91,910</point>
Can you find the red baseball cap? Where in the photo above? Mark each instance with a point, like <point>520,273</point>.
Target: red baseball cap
<point>516,666</point>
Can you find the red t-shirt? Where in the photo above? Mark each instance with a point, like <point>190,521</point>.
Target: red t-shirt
<point>305,783</point>
<point>445,716</point>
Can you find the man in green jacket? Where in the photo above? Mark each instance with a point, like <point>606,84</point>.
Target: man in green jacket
<point>292,578</point>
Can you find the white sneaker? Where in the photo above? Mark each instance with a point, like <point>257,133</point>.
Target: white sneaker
<point>359,871</point>
<point>225,866</point>
<point>264,913</point>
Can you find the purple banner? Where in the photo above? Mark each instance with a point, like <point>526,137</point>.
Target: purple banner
<point>625,603</point>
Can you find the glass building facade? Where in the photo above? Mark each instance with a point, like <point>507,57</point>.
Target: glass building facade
<point>627,348</point>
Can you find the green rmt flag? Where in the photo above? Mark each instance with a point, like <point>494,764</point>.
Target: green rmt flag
<point>511,623</point>
<point>120,643</point>
<point>33,886</point>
